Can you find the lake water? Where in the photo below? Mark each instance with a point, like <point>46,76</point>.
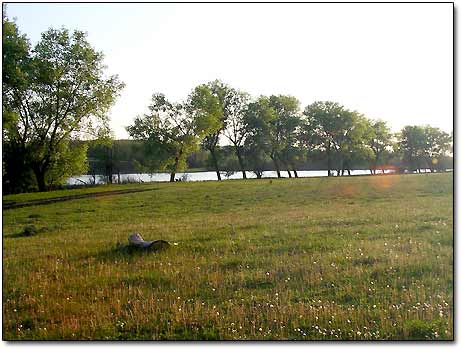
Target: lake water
<point>200,176</point>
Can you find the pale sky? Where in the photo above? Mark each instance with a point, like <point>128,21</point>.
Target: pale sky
<point>387,61</point>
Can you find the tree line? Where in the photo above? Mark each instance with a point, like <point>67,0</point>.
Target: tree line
<point>274,127</point>
<point>56,95</point>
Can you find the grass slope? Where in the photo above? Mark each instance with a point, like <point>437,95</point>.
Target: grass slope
<point>314,258</point>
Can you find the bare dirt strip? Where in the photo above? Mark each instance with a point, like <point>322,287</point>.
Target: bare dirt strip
<point>11,205</point>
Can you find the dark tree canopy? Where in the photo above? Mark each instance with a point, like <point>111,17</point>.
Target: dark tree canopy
<point>423,146</point>
<point>52,94</point>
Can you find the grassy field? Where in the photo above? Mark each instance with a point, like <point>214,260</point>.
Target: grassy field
<point>314,258</point>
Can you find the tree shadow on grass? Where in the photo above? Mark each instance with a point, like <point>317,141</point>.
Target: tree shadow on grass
<point>28,231</point>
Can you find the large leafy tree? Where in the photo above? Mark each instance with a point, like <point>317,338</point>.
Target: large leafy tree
<point>207,101</point>
<point>172,131</point>
<point>52,95</point>
<point>17,175</point>
<point>351,143</point>
<point>234,104</point>
<point>211,99</point>
<point>285,131</point>
<point>331,124</point>
<point>423,146</point>
<point>379,141</point>
<point>438,144</point>
<point>412,141</point>
<point>271,125</point>
<point>259,118</point>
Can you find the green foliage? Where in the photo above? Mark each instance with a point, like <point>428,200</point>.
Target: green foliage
<point>205,100</point>
<point>336,129</point>
<point>424,330</point>
<point>56,92</point>
<point>231,103</point>
<point>171,131</point>
<point>423,145</point>
<point>412,142</point>
<point>68,160</point>
<point>272,126</point>
<point>380,142</point>
<point>16,57</point>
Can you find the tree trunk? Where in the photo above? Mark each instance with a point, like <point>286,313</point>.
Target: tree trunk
<point>276,164</point>
<point>109,165</point>
<point>376,163</point>
<point>296,173</point>
<point>284,163</point>
<point>215,163</point>
<point>329,158</point>
<point>430,165</point>
<point>340,165</point>
<point>348,172</point>
<point>40,177</point>
<point>239,157</point>
<point>371,171</point>
<point>175,167</point>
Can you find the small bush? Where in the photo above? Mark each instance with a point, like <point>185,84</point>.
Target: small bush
<point>29,230</point>
<point>420,329</point>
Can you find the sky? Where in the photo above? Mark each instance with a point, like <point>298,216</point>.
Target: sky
<point>388,61</point>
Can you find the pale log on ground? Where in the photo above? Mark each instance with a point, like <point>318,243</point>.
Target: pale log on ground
<point>137,240</point>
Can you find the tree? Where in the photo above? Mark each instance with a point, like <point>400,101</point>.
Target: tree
<point>412,144</point>
<point>351,143</point>
<point>287,127</point>
<point>256,146</point>
<point>380,141</point>
<point>258,118</point>
<point>234,103</point>
<point>210,99</point>
<point>337,130</point>
<point>271,124</point>
<point>52,95</point>
<point>68,159</point>
<point>323,119</point>
<point>421,145</point>
<point>256,157</point>
<point>437,144</point>
<point>17,176</point>
<point>171,131</point>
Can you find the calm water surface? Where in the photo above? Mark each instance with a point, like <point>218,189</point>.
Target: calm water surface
<point>198,176</point>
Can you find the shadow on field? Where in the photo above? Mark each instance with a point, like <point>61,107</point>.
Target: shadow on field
<point>28,231</point>
<point>125,251</point>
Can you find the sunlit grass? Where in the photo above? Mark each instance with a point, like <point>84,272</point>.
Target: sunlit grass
<point>313,258</point>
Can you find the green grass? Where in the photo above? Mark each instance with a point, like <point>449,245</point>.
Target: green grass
<point>313,258</point>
